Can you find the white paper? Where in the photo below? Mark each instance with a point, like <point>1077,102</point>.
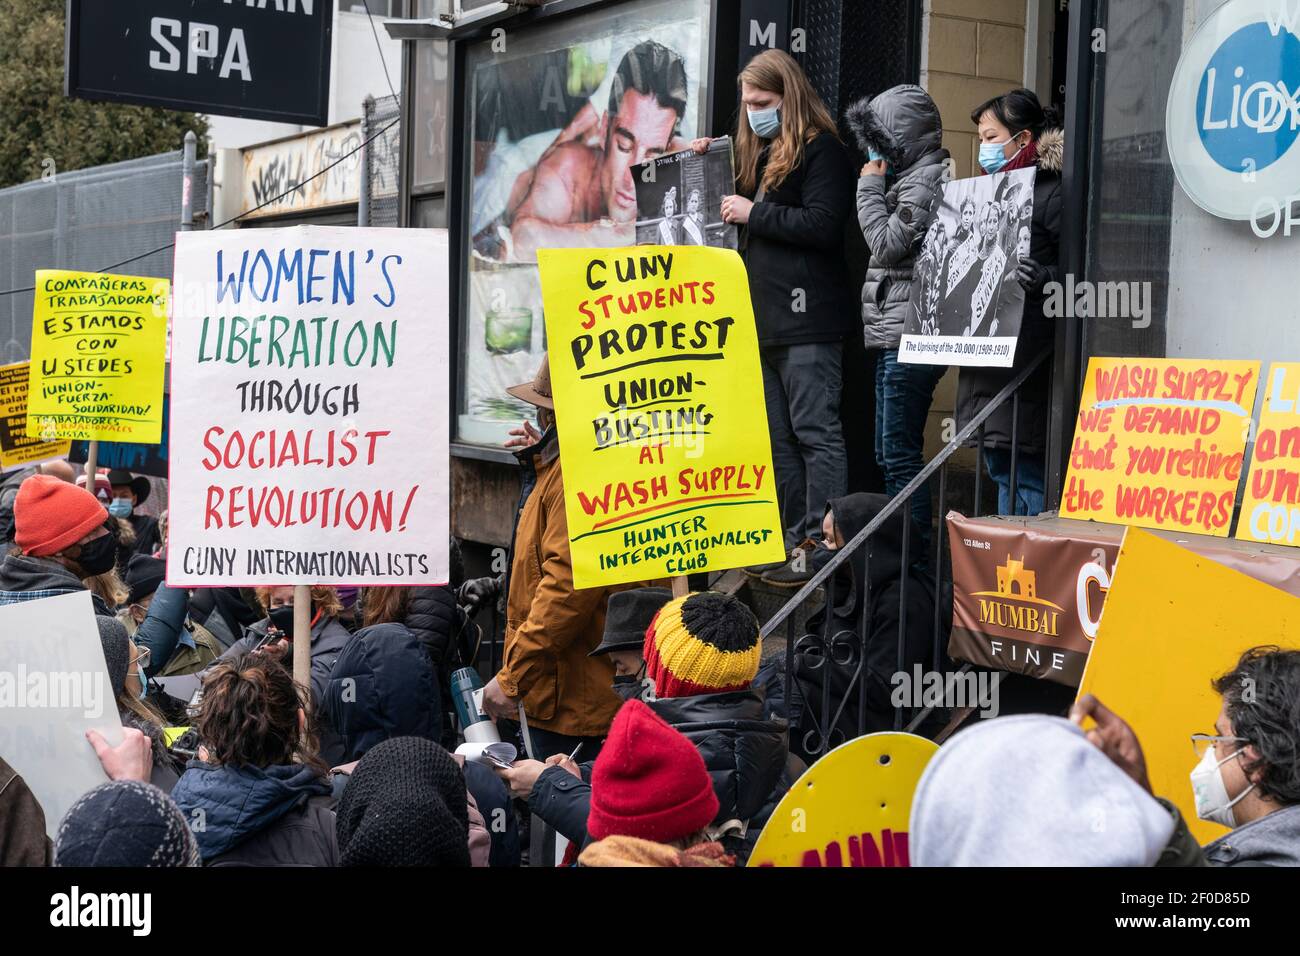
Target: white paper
<point>495,754</point>
<point>309,421</point>
<point>54,686</point>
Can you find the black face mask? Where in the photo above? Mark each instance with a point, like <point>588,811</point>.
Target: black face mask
<point>282,619</point>
<point>634,687</point>
<point>98,556</point>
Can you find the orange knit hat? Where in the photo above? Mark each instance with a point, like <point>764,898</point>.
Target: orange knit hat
<point>50,515</point>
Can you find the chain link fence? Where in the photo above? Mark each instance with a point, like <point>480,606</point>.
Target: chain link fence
<point>88,219</point>
<point>380,202</point>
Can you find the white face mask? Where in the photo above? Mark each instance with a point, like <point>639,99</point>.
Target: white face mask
<point>1211,793</point>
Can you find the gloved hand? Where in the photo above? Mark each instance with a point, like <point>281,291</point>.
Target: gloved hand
<point>1032,275</point>
<point>478,593</point>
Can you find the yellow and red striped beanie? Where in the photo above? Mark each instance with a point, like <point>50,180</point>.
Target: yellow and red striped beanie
<point>704,643</point>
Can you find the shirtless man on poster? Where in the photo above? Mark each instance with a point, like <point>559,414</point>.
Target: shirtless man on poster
<point>584,195</point>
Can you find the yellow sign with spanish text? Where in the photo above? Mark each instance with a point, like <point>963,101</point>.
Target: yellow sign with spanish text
<point>98,357</point>
<point>1160,443</point>
<point>1173,621</point>
<point>659,406</point>
<point>16,449</point>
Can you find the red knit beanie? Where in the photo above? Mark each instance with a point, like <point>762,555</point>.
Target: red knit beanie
<point>51,514</point>
<point>649,781</point>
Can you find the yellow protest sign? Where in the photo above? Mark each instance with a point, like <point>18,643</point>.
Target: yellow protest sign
<point>1270,508</point>
<point>16,449</point>
<point>98,344</point>
<point>1159,443</point>
<point>1175,620</point>
<point>850,808</point>
<point>659,406</point>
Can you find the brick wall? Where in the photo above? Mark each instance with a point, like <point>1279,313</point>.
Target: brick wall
<point>972,50</point>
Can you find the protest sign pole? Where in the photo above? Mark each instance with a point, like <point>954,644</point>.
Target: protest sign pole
<point>92,463</point>
<point>681,587</point>
<point>302,642</point>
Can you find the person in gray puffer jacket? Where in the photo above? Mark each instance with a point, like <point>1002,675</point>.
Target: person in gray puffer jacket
<point>899,194</point>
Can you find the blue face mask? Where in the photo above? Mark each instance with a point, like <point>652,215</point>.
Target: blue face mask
<point>765,123</point>
<point>873,155</point>
<point>120,507</point>
<point>144,681</point>
<point>993,157</point>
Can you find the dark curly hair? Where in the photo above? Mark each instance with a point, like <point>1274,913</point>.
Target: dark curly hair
<point>249,715</point>
<point>1262,698</point>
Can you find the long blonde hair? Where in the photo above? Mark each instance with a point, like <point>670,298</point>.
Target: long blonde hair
<point>803,117</point>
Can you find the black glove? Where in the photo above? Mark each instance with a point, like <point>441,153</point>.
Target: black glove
<point>477,593</point>
<point>1032,276</point>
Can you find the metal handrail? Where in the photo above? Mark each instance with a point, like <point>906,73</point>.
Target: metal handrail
<point>904,497</point>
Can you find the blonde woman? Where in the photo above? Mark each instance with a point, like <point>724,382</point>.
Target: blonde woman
<point>795,182</point>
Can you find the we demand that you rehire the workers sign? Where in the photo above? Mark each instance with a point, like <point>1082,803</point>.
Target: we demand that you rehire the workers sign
<point>659,406</point>
<point>309,366</point>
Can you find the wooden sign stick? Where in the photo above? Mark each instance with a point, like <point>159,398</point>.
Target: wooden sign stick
<point>302,642</point>
<point>92,465</point>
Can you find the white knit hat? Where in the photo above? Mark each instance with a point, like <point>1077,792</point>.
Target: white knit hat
<point>1031,790</point>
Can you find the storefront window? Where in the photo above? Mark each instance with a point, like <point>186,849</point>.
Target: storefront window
<point>429,107</point>
<point>547,155</point>
<point>1195,170</point>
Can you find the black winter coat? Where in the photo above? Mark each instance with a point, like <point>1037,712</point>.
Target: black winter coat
<point>976,387</point>
<point>272,816</point>
<point>746,755</point>
<point>435,620</point>
<point>795,241</point>
<point>875,579</point>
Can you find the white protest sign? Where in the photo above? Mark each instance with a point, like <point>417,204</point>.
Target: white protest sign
<point>309,407</point>
<point>54,687</point>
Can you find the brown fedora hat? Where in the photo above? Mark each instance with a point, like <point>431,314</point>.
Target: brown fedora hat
<point>538,391</point>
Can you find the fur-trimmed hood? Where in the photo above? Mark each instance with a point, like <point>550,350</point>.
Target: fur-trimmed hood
<point>902,123</point>
<point>1051,150</point>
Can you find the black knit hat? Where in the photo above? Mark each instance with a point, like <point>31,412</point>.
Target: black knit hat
<point>143,575</point>
<point>404,805</point>
<point>117,651</point>
<point>628,617</point>
<point>125,823</point>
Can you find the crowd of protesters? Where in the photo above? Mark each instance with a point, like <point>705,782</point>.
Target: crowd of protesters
<point>649,733</point>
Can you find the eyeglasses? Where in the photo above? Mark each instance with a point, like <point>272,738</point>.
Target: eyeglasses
<point>141,657</point>
<point>1203,742</point>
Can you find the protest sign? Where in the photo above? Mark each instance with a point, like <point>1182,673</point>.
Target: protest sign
<point>1159,443</point>
<point>966,304</point>
<point>137,458</point>
<point>54,686</point>
<point>98,344</point>
<point>679,197</point>
<point>850,808</point>
<point>1153,660</point>
<point>1270,508</point>
<point>16,449</point>
<point>308,427</point>
<point>659,406</point>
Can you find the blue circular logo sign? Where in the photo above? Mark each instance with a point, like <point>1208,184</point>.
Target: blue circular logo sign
<point>1247,112</point>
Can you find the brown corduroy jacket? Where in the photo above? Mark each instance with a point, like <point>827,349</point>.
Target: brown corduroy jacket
<point>22,823</point>
<point>550,627</point>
